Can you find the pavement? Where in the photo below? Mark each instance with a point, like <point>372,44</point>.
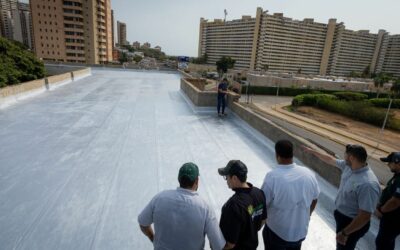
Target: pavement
<point>330,138</point>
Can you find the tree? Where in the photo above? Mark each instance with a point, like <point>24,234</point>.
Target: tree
<point>224,64</point>
<point>379,80</point>
<point>264,68</point>
<point>18,64</point>
<point>123,58</point>
<point>396,88</point>
<point>367,72</point>
<point>299,71</point>
<point>137,58</point>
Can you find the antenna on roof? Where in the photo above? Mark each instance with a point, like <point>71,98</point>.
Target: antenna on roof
<point>225,14</point>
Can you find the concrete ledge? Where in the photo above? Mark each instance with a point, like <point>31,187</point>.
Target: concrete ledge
<point>265,127</point>
<point>275,133</point>
<point>14,93</point>
<point>204,98</point>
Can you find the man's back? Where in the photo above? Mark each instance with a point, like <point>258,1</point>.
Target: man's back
<point>289,191</point>
<point>181,219</point>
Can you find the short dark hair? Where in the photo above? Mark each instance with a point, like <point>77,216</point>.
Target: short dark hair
<point>224,79</point>
<point>242,177</point>
<point>284,149</point>
<point>186,182</point>
<point>357,151</point>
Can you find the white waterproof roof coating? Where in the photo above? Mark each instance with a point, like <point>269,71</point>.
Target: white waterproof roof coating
<point>78,164</point>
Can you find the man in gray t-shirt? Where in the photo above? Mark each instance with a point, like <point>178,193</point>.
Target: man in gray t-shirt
<point>181,217</point>
<point>357,196</point>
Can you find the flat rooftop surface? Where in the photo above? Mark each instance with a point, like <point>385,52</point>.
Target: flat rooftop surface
<point>78,164</point>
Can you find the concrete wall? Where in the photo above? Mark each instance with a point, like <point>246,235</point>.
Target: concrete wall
<point>14,93</point>
<point>202,67</point>
<point>56,69</point>
<point>204,98</point>
<point>265,127</point>
<point>273,81</point>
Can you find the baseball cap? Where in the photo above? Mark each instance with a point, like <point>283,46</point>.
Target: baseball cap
<point>392,157</point>
<point>234,167</point>
<point>189,170</point>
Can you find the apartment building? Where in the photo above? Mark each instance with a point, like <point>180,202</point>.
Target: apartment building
<point>391,62</point>
<point>121,27</point>
<point>282,44</point>
<point>73,30</point>
<point>16,22</point>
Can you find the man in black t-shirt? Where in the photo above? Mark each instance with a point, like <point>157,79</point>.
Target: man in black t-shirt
<point>245,212</point>
<point>389,206</point>
<point>222,91</point>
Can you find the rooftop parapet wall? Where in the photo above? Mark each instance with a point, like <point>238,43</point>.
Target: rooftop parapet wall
<point>265,127</point>
<point>14,93</point>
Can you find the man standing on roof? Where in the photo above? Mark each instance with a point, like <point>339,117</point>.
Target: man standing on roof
<point>291,193</point>
<point>357,196</point>
<point>222,91</point>
<point>181,217</point>
<point>244,213</point>
<point>389,206</point>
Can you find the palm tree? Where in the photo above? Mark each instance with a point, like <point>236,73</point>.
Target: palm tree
<point>379,80</point>
<point>396,88</point>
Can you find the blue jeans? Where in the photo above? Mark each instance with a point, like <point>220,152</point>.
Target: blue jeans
<point>221,102</point>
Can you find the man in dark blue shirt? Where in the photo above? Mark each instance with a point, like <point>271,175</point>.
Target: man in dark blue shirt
<point>222,91</point>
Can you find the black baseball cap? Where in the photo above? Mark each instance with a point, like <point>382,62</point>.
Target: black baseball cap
<point>392,157</point>
<point>234,167</point>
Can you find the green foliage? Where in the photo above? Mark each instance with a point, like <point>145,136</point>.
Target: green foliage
<point>358,110</point>
<point>137,58</point>
<point>224,64</point>
<point>396,88</point>
<point>200,60</point>
<point>310,99</point>
<point>384,102</point>
<point>350,96</point>
<point>123,58</point>
<point>148,52</point>
<point>18,64</point>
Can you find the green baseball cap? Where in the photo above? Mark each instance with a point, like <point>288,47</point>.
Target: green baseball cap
<point>189,170</point>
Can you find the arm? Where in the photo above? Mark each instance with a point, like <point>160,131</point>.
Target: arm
<point>148,231</point>
<point>390,205</point>
<point>323,157</point>
<point>313,205</point>
<point>229,245</point>
<point>357,223</point>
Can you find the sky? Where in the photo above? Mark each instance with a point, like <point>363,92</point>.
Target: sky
<point>174,24</point>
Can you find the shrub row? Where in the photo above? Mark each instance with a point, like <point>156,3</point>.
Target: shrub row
<point>359,110</point>
<point>384,103</point>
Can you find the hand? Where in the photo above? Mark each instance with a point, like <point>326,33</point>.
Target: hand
<point>341,239</point>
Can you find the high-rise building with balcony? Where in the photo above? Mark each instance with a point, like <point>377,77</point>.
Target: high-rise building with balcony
<point>121,29</point>
<point>283,44</point>
<point>73,30</point>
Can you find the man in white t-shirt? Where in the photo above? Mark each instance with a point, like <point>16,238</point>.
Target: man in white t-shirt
<point>291,193</point>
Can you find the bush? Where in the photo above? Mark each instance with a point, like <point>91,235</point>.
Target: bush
<point>18,64</point>
<point>384,103</point>
<point>351,96</point>
<point>310,99</point>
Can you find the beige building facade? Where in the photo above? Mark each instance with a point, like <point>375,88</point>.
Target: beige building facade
<point>73,30</point>
<point>277,43</point>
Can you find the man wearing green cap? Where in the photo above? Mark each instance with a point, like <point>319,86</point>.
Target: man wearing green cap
<point>181,217</point>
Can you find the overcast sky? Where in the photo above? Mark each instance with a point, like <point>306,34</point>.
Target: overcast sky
<point>174,24</point>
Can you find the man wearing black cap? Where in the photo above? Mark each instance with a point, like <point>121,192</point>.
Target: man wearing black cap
<point>222,91</point>
<point>357,196</point>
<point>244,213</point>
<point>388,209</point>
<point>181,217</point>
